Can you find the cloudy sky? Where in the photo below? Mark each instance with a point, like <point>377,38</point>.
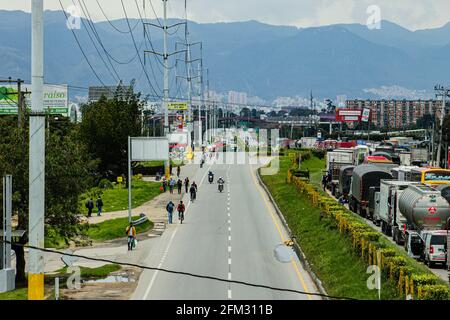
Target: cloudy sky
<point>412,14</point>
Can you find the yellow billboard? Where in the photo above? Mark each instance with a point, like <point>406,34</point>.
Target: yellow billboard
<point>177,106</point>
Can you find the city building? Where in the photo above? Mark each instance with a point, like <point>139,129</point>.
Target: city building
<point>237,98</point>
<point>397,114</point>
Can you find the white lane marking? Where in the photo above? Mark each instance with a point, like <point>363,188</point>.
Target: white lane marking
<point>229,221</point>
<point>229,228</point>
<point>229,293</point>
<point>147,292</point>
<point>229,238</point>
<point>229,248</point>
<point>229,275</point>
<point>229,261</point>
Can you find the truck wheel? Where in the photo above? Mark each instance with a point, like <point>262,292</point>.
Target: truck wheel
<point>389,231</point>
<point>362,212</point>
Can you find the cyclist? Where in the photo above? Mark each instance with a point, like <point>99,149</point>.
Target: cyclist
<point>181,208</point>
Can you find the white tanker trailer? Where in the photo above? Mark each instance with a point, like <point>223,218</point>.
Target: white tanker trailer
<point>426,212</point>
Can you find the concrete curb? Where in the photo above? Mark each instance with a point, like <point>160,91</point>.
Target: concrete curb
<point>297,248</point>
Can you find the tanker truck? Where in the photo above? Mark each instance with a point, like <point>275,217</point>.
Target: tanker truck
<point>389,216</point>
<point>426,212</point>
<point>365,176</point>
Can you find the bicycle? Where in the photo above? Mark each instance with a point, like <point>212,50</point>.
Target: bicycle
<point>181,217</point>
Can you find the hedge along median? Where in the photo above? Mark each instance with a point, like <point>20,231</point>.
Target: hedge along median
<point>340,247</point>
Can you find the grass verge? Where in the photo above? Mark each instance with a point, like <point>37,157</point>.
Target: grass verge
<point>115,228</point>
<point>100,272</point>
<point>116,199</point>
<point>330,255</point>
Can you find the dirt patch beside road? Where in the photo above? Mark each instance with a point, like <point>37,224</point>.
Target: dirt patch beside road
<point>118,285</point>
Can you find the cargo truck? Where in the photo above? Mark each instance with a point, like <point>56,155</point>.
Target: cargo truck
<point>345,180</point>
<point>335,160</point>
<point>364,177</point>
<point>419,156</point>
<point>426,212</point>
<point>389,216</point>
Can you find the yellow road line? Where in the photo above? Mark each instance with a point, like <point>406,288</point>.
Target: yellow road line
<point>272,215</point>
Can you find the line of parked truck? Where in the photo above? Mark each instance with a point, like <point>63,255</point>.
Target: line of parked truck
<point>398,191</point>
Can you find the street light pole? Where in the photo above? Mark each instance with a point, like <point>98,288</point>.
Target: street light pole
<point>37,157</point>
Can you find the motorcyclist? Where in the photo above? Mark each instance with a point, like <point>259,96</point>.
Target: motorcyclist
<point>210,176</point>
<point>221,182</point>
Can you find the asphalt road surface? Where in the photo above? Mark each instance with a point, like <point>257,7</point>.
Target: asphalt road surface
<point>230,235</point>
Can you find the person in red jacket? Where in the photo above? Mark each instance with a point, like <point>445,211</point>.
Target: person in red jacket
<point>181,208</point>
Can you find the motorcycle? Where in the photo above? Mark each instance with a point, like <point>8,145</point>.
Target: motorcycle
<point>210,179</point>
<point>221,187</point>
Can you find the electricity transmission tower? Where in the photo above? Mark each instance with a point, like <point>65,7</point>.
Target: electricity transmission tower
<point>441,92</point>
<point>165,56</point>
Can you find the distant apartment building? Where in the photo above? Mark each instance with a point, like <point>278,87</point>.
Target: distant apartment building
<point>397,113</point>
<point>237,98</point>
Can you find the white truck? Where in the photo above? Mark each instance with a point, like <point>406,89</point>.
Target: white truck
<point>335,160</point>
<point>308,142</point>
<point>391,220</point>
<point>419,156</point>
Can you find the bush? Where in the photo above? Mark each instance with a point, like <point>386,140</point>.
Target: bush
<point>105,184</point>
<point>319,153</point>
<point>434,292</point>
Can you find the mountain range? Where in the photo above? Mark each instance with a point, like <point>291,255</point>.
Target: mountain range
<point>264,60</point>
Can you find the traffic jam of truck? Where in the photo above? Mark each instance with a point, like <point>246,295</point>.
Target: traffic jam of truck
<point>395,186</point>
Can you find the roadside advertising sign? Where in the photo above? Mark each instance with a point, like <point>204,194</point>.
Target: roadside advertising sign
<point>348,115</point>
<point>55,99</point>
<point>365,115</point>
<point>177,106</point>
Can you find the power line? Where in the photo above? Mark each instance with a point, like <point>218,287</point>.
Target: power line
<point>113,73</point>
<point>183,273</point>
<point>101,43</point>
<point>79,45</point>
<point>112,25</point>
<point>175,99</point>
<point>137,50</point>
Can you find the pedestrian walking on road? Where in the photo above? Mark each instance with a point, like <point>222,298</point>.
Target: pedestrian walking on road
<point>99,206</point>
<point>170,207</point>
<point>131,236</point>
<point>171,185</point>
<point>186,184</point>
<point>178,171</point>
<point>179,185</point>
<point>181,208</point>
<point>90,207</point>
<point>193,191</point>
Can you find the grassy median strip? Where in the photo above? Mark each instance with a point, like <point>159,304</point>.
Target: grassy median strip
<point>115,228</point>
<point>330,255</point>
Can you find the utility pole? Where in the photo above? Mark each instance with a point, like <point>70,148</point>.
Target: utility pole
<point>442,92</point>
<point>165,55</point>
<point>200,102</point>
<point>37,157</point>
<point>207,105</point>
<point>20,99</point>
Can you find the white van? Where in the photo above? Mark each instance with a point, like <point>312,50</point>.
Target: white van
<point>435,247</point>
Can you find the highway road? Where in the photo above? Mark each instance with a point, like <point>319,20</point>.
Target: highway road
<point>230,235</point>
